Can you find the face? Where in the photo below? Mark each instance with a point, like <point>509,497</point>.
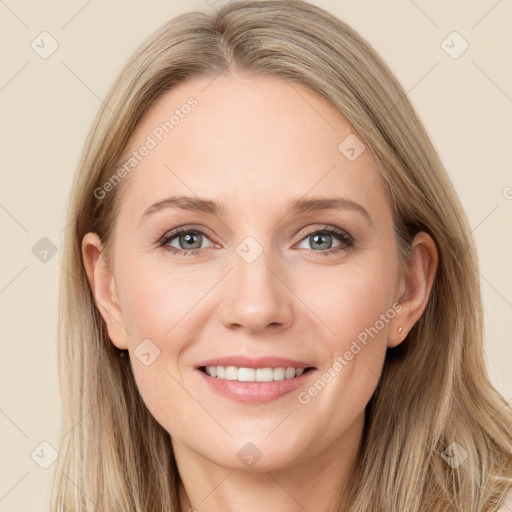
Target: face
<point>275,277</point>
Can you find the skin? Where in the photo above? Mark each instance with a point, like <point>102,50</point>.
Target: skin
<point>254,144</point>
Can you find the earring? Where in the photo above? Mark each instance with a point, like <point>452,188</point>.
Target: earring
<point>400,329</point>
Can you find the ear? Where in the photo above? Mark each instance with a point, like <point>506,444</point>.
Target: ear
<point>414,288</point>
<point>102,283</point>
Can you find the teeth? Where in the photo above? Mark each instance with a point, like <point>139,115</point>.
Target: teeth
<point>253,374</point>
<point>289,373</point>
<point>231,373</point>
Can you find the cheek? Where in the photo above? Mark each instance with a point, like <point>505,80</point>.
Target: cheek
<point>156,300</point>
<point>357,306</point>
<point>155,307</point>
<point>158,310</point>
<point>350,299</point>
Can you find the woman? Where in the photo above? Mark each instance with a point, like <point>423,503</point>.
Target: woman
<point>255,369</point>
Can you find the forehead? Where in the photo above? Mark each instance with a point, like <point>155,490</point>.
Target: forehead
<point>249,143</point>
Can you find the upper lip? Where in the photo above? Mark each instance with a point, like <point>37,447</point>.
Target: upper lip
<point>244,361</point>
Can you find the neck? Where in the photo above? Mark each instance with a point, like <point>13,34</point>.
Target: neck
<point>322,483</point>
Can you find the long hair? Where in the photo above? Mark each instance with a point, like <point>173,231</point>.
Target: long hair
<point>434,402</point>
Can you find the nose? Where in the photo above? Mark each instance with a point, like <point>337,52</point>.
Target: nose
<point>259,297</point>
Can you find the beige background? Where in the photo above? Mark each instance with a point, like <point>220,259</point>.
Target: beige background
<point>48,106</point>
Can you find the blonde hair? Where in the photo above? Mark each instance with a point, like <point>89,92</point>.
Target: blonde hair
<point>434,389</point>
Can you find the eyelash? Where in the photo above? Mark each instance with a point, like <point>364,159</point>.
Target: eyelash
<point>346,240</point>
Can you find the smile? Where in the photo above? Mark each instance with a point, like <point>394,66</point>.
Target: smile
<point>255,385</point>
<point>242,374</point>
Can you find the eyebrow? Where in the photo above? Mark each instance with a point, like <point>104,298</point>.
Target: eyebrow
<point>296,206</point>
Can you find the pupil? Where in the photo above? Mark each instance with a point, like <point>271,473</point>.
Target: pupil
<point>189,239</point>
<point>320,237</point>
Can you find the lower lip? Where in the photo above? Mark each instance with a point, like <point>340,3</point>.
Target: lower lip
<point>256,392</point>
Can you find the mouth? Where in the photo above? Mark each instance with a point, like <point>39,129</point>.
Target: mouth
<point>255,379</point>
<point>248,374</point>
<point>255,386</point>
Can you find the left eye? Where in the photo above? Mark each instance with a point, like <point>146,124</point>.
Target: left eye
<point>321,239</point>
